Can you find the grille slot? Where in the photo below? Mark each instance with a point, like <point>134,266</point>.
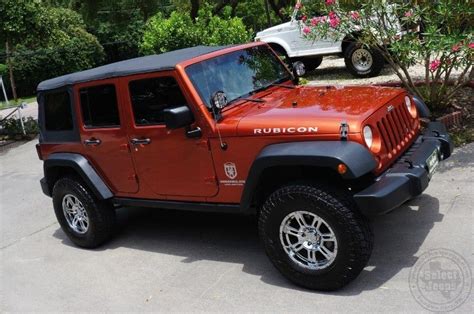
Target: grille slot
<point>394,128</point>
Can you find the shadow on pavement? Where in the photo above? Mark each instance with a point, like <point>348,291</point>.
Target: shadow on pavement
<point>234,239</point>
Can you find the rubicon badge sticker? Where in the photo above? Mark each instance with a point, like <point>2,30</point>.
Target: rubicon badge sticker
<point>230,170</point>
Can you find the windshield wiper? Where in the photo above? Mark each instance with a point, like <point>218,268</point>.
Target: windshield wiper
<point>275,83</point>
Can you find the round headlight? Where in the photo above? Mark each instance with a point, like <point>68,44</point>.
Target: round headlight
<point>410,107</point>
<point>368,136</point>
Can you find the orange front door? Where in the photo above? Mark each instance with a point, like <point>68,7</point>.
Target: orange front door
<point>167,161</point>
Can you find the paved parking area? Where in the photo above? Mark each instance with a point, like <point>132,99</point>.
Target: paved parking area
<point>178,261</point>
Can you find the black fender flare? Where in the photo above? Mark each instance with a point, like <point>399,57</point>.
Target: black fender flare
<point>83,168</point>
<point>325,154</point>
<point>423,110</point>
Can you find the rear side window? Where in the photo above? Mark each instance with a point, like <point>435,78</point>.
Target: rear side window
<point>57,111</point>
<point>99,106</point>
<point>151,96</point>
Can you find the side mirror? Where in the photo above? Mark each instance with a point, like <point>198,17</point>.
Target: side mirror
<point>218,101</point>
<point>178,117</point>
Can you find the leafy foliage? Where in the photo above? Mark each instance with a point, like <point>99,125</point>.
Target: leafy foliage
<point>179,31</point>
<point>12,126</point>
<point>443,44</point>
<point>47,42</point>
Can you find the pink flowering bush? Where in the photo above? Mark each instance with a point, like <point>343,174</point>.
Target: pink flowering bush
<point>438,34</point>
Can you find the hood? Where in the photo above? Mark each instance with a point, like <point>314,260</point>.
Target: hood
<point>274,29</point>
<point>308,110</point>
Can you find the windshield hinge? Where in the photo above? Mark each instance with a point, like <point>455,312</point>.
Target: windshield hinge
<point>344,130</point>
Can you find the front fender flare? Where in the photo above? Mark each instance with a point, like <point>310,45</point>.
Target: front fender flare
<point>83,168</point>
<point>327,154</point>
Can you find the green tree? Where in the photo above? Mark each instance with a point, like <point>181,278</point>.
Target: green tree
<point>179,31</point>
<point>44,42</point>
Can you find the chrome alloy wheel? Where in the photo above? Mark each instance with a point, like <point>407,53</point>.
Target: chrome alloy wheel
<point>308,240</point>
<point>362,59</point>
<point>75,214</point>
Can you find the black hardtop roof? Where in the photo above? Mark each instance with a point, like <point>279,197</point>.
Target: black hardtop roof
<point>153,63</point>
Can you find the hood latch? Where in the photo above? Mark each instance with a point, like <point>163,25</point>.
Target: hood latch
<point>344,130</point>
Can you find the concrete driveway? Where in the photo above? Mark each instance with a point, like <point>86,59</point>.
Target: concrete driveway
<point>178,261</point>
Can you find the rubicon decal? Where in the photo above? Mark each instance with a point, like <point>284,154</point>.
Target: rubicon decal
<point>290,130</point>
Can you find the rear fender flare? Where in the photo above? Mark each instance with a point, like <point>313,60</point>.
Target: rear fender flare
<point>82,167</point>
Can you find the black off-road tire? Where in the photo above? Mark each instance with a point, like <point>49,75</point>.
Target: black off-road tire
<point>352,231</point>
<point>101,214</point>
<point>378,61</point>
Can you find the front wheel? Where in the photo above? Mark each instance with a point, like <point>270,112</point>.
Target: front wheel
<point>310,63</point>
<point>363,62</point>
<point>315,236</point>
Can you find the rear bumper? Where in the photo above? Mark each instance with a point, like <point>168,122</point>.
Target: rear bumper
<point>409,176</point>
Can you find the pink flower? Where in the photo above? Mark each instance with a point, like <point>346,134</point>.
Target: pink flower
<point>298,6</point>
<point>434,65</point>
<point>334,22</point>
<point>456,48</point>
<point>315,21</point>
<point>306,30</point>
<point>408,14</point>
<point>471,45</point>
<point>330,2</point>
<point>332,15</point>
<point>355,15</point>
<point>304,18</point>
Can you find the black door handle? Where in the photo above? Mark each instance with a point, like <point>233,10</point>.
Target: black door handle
<point>140,141</point>
<point>92,142</point>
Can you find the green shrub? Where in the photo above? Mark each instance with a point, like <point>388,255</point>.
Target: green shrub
<point>180,31</point>
<point>12,126</point>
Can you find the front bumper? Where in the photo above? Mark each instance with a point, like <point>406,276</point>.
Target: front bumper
<point>409,176</point>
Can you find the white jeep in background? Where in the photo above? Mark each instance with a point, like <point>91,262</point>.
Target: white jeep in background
<point>287,41</point>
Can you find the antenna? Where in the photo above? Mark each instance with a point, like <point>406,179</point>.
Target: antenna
<point>216,117</point>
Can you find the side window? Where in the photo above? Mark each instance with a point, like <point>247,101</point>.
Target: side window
<point>150,97</point>
<point>99,106</point>
<point>57,111</point>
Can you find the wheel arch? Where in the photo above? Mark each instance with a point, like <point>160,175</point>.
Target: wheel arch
<point>278,43</point>
<point>59,165</point>
<point>348,39</point>
<point>278,164</point>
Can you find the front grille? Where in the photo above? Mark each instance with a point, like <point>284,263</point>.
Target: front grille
<point>394,128</point>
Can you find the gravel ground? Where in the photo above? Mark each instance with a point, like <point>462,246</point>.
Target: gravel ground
<point>333,71</point>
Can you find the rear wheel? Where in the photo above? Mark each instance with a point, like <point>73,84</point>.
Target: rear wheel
<point>363,62</point>
<point>315,236</point>
<point>87,221</point>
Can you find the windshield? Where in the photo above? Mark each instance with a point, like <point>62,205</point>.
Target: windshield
<point>237,74</point>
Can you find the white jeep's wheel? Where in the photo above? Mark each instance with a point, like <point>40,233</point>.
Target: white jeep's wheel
<point>363,62</point>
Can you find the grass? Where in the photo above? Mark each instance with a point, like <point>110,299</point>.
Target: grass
<point>30,99</point>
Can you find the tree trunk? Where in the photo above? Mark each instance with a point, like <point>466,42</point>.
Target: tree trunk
<point>267,12</point>
<point>194,9</point>
<point>10,69</point>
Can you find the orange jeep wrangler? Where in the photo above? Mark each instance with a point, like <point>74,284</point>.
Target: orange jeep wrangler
<point>228,129</point>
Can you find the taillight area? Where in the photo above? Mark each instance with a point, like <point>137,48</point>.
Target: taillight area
<point>38,151</point>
